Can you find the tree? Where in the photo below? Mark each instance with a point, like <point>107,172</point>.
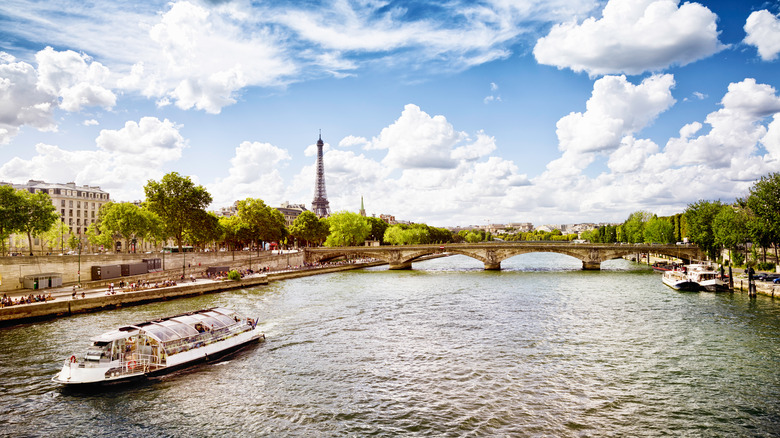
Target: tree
<point>208,229</point>
<point>730,227</point>
<point>266,223</point>
<point>177,201</point>
<point>308,228</point>
<point>658,230</point>
<point>378,228</point>
<point>11,213</point>
<point>347,229</point>
<point>55,236</point>
<point>125,220</point>
<point>634,226</point>
<point>39,215</point>
<point>95,238</point>
<point>764,202</point>
<point>700,217</point>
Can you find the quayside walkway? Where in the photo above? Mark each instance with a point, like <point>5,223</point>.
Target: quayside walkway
<point>493,253</point>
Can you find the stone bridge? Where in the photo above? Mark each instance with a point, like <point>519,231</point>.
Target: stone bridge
<point>492,254</point>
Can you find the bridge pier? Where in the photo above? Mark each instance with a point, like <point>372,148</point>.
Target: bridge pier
<point>492,266</point>
<point>591,266</point>
<point>400,266</point>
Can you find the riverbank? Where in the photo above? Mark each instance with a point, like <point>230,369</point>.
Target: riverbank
<point>99,298</point>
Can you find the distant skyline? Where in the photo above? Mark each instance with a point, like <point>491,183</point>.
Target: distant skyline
<point>451,113</point>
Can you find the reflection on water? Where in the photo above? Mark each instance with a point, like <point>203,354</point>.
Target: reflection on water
<point>540,348</point>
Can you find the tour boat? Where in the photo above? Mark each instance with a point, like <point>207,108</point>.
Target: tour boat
<point>706,277</point>
<point>159,346</point>
<point>678,280</point>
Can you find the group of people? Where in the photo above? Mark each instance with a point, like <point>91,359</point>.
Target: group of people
<point>29,299</point>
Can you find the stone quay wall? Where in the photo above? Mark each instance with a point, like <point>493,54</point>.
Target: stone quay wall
<point>13,269</point>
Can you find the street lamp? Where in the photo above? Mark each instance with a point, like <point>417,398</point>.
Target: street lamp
<point>79,263</point>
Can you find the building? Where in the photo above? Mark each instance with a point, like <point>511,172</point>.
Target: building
<point>228,211</point>
<point>77,206</point>
<point>291,212</point>
<point>390,219</point>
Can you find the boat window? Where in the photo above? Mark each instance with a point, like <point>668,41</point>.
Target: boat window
<point>183,330</point>
<point>161,333</point>
<point>219,320</point>
<point>98,350</point>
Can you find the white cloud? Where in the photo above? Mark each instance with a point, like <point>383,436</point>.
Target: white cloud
<point>200,58</point>
<point>90,122</point>
<point>149,141</point>
<point>254,173</point>
<point>763,32</point>
<point>616,108</point>
<point>75,79</point>
<point>735,129</point>
<point>122,162</point>
<point>417,140</point>
<point>350,141</point>
<point>21,102</point>
<point>632,36</point>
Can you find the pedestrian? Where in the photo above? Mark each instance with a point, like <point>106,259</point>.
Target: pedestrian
<point>83,295</point>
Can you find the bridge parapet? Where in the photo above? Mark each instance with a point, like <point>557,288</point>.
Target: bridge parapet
<point>492,254</point>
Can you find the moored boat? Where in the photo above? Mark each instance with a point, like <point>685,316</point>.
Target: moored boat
<point>678,280</point>
<point>159,346</point>
<point>707,278</point>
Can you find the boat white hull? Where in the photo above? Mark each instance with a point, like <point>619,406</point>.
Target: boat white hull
<point>74,373</point>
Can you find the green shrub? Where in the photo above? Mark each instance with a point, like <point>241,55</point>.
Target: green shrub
<point>234,275</point>
<point>738,259</point>
<point>766,267</point>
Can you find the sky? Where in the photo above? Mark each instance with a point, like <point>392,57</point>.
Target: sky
<point>450,113</point>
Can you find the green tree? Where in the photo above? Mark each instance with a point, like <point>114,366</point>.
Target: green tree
<point>310,229</point>
<point>378,228</point>
<point>659,230</point>
<point>266,223</point>
<point>764,202</point>
<point>634,226</point>
<point>700,217</point>
<point>95,238</point>
<point>125,220</point>
<point>11,214</point>
<point>39,213</point>
<point>56,235</point>
<point>206,231</point>
<point>177,201</point>
<point>730,227</point>
<point>347,229</point>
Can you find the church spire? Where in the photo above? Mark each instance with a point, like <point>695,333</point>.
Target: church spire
<point>362,210</point>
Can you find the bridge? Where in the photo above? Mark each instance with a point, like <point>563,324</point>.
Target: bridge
<point>492,254</point>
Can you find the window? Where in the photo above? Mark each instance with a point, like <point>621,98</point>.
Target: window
<point>70,204</point>
<point>70,222</point>
<point>70,212</point>
<point>93,215</point>
<point>78,221</point>
<point>62,212</point>
<point>78,204</point>
<point>78,230</point>
<point>78,213</point>
<point>62,203</point>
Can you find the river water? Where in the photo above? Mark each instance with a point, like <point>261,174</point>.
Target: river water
<point>540,348</point>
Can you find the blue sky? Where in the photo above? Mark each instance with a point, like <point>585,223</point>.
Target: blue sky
<point>443,112</point>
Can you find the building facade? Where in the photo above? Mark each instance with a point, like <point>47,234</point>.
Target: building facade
<point>77,206</point>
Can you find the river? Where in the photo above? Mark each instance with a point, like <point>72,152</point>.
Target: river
<point>540,348</point>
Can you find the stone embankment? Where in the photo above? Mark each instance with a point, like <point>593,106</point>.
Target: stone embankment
<point>96,299</point>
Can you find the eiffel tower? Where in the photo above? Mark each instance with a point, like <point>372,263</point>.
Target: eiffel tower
<point>320,205</point>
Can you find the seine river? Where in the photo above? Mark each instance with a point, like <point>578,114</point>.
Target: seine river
<point>540,348</point>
